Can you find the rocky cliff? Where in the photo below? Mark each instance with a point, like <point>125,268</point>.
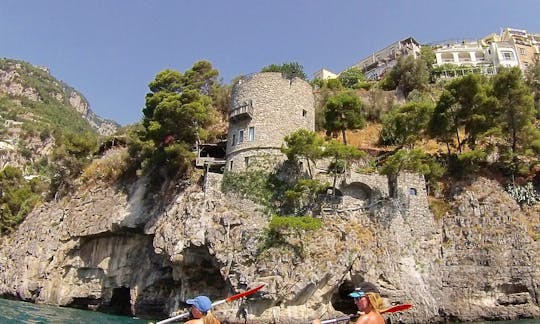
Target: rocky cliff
<point>143,252</point>
<point>21,81</point>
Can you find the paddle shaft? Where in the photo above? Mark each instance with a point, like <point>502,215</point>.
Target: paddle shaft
<point>393,309</point>
<point>337,320</point>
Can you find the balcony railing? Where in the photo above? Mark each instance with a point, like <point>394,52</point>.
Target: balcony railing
<point>244,111</point>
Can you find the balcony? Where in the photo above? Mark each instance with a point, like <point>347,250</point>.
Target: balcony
<point>244,111</point>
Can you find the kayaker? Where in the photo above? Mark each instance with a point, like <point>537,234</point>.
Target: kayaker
<point>200,311</point>
<point>367,298</point>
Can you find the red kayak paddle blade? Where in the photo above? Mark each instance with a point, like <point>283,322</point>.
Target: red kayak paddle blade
<point>245,293</point>
<point>397,308</point>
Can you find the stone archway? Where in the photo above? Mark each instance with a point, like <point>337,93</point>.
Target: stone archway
<point>357,193</point>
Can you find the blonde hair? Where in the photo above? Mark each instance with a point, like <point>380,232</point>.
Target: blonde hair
<point>209,318</point>
<point>376,301</point>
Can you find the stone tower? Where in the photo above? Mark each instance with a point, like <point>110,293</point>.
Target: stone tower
<point>265,108</point>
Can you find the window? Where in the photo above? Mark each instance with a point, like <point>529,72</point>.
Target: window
<point>507,55</point>
<point>412,191</point>
<point>230,165</point>
<point>246,160</point>
<point>233,139</point>
<point>241,136</point>
<point>521,51</point>
<point>304,113</point>
<point>251,133</point>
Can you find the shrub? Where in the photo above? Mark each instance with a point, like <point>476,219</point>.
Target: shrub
<point>438,207</point>
<point>110,168</point>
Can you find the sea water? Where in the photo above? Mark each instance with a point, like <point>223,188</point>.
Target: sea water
<point>16,312</point>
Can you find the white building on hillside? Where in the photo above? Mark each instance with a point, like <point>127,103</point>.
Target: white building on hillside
<point>471,53</point>
<point>502,54</point>
<point>375,65</point>
<point>324,74</point>
<point>527,45</point>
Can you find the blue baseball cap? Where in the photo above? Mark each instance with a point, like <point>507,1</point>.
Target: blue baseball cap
<point>202,303</point>
<point>363,289</point>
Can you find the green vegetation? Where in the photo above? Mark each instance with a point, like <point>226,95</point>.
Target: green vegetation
<point>52,111</point>
<point>259,186</point>
<point>340,155</point>
<point>408,74</point>
<point>17,197</point>
<point>289,70</point>
<point>439,207</point>
<point>282,227</point>
<point>406,124</point>
<point>343,111</point>
<point>303,144</point>
<point>42,116</point>
<point>179,112</point>
<point>352,78</point>
<point>302,198</point>
<point>415,160</point>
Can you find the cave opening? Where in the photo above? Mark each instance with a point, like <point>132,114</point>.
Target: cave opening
<point>340,299</point>
<point>120,302</point>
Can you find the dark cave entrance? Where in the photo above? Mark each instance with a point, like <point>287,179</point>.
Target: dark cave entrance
<point>120,302</point>
<point>341,301</point>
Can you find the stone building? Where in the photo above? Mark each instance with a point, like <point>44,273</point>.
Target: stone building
<point>265,108</point>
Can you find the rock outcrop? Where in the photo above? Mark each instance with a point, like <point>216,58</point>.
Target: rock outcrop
<point>19,79</point>
<point>144,253</point>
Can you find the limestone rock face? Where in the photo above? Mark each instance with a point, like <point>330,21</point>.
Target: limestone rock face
<point>143,253</point>
<point>18,79</point>
<point>491,264</point>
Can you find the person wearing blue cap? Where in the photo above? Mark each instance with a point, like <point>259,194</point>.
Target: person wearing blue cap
<point>200,310</point>
<point>367,298</point>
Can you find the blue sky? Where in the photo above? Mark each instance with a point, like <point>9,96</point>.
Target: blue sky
<point>110,50</point>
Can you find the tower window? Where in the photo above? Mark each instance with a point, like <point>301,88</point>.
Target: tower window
<point>304,113</point>
<point>246,160</point>
<point>233,139</point>
<point>251,133</point>
<point>241,136</point>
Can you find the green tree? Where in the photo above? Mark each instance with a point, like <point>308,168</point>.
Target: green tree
<point>414,160</point>
<point>303,144</point>
<point>289,70</point>
<point>406,124</point>
<point>427,54</point>
<point>341,156</point>
<point>351,78</point>
<point>465,103</point>
<point>281,226</point>
<point>408,74</point>
<point>515,109</point>
<point>533,81</point>
<point>302,197</point>
<point>177,113</point>
<point>343,111</point>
